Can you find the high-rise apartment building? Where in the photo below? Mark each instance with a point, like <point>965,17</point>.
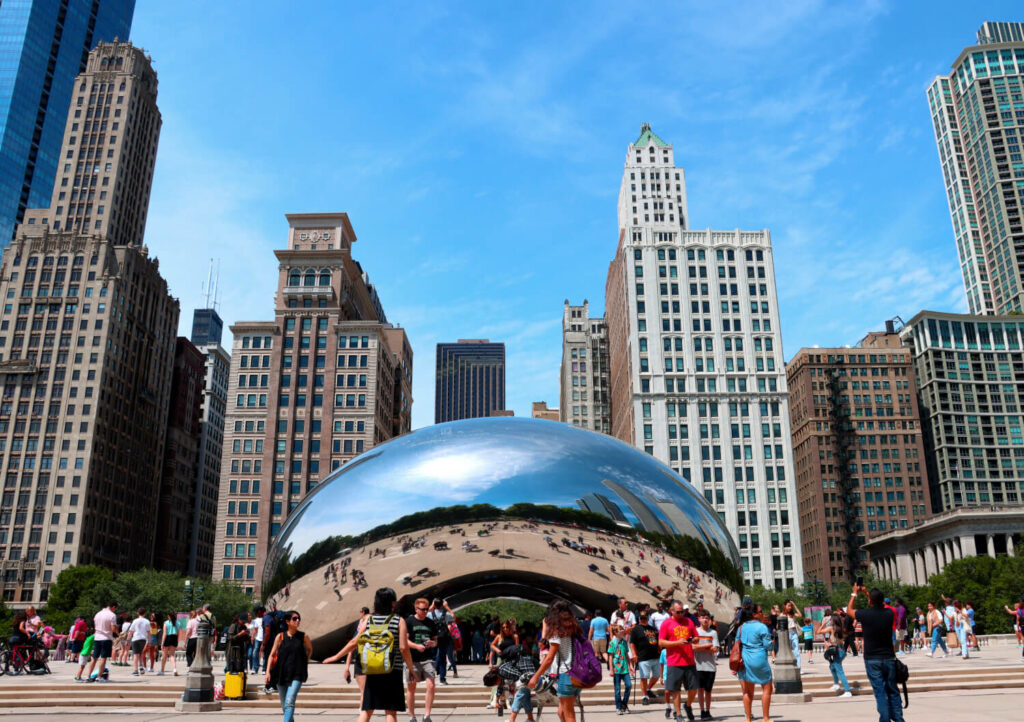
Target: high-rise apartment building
<point>217,365</point>
<point>583,394</point>
<point>44,45</point>
<point>175,510</point>
<point>470,380</point>
<point>87,337</point>
<point>696,369</point>
<point>978,118</point>
<point>858,450</point>
<point>322,382</point>
<point>970,380</point>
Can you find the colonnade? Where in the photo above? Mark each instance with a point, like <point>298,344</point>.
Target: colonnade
<point>916,566</point>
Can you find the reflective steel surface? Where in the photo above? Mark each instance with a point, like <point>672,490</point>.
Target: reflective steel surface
<point>497,507</point>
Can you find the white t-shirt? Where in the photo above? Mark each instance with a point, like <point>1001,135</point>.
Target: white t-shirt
<point>258,628</point>
<point>104,622</point>
<point>140,629</point>
<point>657,618</point>
<point>563,661</point>
<point>627,619</point>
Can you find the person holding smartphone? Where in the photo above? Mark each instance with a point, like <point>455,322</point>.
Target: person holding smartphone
<point>879,657</point>
<point>422,647</point>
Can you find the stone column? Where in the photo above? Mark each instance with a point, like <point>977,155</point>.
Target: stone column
<point>991,545</point>
<point>967,546</point>
<point>1009,545</point>
<point>935,558</point>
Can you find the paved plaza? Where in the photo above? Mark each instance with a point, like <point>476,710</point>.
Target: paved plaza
<point>948,688</point>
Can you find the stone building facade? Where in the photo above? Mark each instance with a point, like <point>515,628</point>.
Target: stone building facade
<point>858,450</point>
<point>583,396</point>
<point>87,337</point>
<point>322,382</point>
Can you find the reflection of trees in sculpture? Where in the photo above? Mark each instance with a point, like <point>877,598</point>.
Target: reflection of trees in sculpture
<point>688,548</point>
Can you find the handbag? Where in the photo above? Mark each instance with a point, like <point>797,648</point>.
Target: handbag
<point>736,655</point>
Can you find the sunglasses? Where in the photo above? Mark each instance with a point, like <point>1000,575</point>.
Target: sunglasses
<point>422,609</point>
<point>295,619</point>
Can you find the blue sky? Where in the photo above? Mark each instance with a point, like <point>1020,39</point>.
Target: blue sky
<point>478,149</point>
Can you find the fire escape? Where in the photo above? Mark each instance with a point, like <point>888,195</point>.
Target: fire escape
<point>845,441</point>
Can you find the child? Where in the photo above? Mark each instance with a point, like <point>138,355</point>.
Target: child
<point>618,667</point>
<point>808,630</point>
<point>84,656</point>
<point>522,663</point>
<point>705,653</point>
<point>662,660</point>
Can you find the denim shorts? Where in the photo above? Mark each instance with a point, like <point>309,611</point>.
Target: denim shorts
<point>565,686</point>
<point>522,702</point>
<point>649,669</point>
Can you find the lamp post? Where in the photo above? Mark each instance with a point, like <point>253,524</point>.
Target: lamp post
<point>789,687</point>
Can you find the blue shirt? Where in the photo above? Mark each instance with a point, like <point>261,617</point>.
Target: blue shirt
<point>599,627</point>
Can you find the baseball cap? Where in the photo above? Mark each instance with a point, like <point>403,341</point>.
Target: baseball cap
<point>686,606</point>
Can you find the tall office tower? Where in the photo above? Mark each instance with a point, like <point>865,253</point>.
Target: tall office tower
<point>470,380</point>
<point>217,365</point>
<point>322,382</point>
<point>858,450</point>
<point>181,452</point>
<point>44,44</point>
<point>207,327</point>
<point>968,371</point>
<point>695,360</point>
<point>978,117</point>
<point>88,332</point>
<point>583,395</point>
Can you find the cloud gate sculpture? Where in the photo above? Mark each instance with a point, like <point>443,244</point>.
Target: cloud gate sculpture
<point>498,507</point>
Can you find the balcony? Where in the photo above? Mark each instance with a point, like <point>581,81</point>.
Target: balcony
<point>318,291</point>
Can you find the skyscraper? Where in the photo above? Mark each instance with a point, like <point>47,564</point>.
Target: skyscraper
<point>583,395</point>
<point>44,45</point>
<point>968,371</point>
<point>88,341</point>
<point>978,118</point>
<point>324,381</point>
<point>470,380</point>
<point>207,327</point>
<point>858,450</point>
<point>696,373</point>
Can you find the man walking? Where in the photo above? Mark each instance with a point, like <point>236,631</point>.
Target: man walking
<point>443,619</point>
<point>422,646</point>
<point>677,638</point>
<point>598,635</point>
<point>623,617</point>
<point>104,623</point>
<point>643,644</point>
<point>659,616</point>
<point>139,633</point>
<point>879,658</point>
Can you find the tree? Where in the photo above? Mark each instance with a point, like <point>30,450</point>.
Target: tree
<point>74,586</point>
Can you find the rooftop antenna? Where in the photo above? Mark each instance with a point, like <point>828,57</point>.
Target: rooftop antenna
<point>216,286</point>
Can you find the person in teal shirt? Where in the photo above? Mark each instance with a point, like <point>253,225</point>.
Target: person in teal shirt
<point>598,635</point>
<point>808,635</point>
<point>755,641</point>
<point>618,666</point>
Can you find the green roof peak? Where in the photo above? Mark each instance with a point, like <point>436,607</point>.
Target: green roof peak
<point>647,136</point>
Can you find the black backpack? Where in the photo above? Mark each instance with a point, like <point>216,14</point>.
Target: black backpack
<point>901,677</point>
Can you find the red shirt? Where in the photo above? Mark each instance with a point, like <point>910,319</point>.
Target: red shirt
<point>894,616</point>
<point>673,630</point>
<point>78,633</point>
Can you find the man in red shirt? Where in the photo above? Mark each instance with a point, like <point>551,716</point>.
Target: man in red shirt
<point>676,636</point>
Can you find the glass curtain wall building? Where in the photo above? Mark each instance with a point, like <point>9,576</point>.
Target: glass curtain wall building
<point>44,45</point>
<point>470,380</point>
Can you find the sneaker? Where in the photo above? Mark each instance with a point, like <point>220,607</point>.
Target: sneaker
<point>160,673</point>
<point>78,679</point>
<point>668,713</point>
<point>412,719</point>
<point>679,718</point>
<point>945,654</point>
<point>176,673</point>
<point>426,718</point>
<point>618,711</point>
<point>810,661</point>
<point>705,714</point>
<point>625,710</point>
<point>443,681</point>
<point>91,679</point>
<point>142,671</point>
<point>928,654</point>
<point>689,711</point>
<point>102,679</point>
<point>833,688</point>
<point>135,673</point>
<point>645,700</point>
<point>847,693</point>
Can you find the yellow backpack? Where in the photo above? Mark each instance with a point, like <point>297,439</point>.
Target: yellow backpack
<point>376,647</point>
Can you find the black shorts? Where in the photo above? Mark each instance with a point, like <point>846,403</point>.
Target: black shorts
<point>808,645</point>
<point>76,647</point>
<point>102,648</point>
<point>138,645</point>
<point>705,679</point>
<point>679,678</point>
<point>171,640</point>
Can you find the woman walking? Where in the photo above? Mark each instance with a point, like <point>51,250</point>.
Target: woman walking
<point>559,628</point>
<point>290,654</point>
<point>962,627</point>
<point>832,631</point>
<point>384,691</point>
<point>795,628</point>
<point>169,643</point>
<point>153,644</point>
<point>755,641</point>
<point>936,630</point>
